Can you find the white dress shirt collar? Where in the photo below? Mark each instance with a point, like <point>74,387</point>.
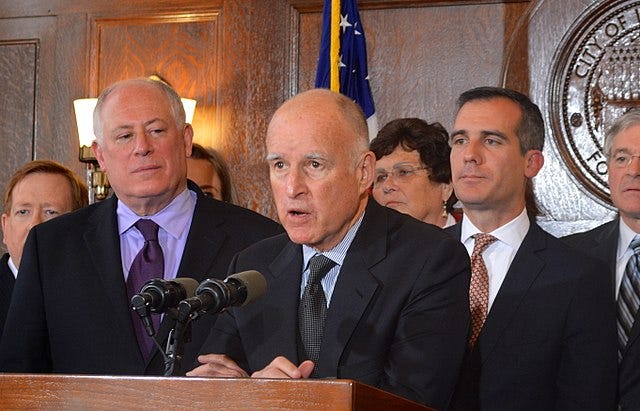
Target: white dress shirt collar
<point>499,255</point>
<point>626,236</point>
<point>511,233</point>
<point>12,267</point>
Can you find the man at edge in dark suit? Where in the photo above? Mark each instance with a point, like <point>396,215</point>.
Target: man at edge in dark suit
<point>38,191</point>
<point>71,310</point>
<point>396,300</point>
<point>611,242</point>
<point>542,334</point>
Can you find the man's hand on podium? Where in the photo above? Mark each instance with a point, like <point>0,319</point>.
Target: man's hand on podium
<point>281,367</point>
<point>219,365</point>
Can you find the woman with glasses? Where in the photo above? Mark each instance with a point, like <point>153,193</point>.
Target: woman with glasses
<point>413,173</point>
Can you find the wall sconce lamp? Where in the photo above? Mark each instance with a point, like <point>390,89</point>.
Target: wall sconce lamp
<point>97,180</point>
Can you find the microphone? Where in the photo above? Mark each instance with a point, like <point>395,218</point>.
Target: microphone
<point>158,295</point>
<point>214,296</point>
<point>211,296</point>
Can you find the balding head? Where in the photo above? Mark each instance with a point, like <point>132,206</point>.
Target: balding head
<point>322,106</point>
<point>320,166</point>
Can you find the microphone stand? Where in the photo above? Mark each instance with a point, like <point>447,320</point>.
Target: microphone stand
<point>175,349</point>
<point>178,335</point>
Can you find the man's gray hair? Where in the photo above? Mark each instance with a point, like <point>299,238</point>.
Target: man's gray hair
<point>627,120</point>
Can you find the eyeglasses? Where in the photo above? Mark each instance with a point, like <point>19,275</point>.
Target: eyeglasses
<point>622,159</point>
<point>400,174</point>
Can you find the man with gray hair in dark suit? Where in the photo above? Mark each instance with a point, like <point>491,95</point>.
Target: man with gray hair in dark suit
<point>618,244</point>
<point>71,310</point>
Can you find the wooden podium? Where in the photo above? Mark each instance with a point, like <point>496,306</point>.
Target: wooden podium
<point>74,392</point>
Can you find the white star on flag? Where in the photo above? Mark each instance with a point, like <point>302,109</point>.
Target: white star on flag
<point>342,60</point>
<point>344,22</point>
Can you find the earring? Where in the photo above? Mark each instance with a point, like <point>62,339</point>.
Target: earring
<point>444,209</point>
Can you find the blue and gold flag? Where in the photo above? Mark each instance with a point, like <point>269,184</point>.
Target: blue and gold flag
<point>342,64</point>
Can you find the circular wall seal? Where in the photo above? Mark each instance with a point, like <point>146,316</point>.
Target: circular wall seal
<point>595,79</point>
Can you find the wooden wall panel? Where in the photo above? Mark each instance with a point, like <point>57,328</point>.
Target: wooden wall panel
<point>253,75</point>
<point>18,62</point>
<point>181,49</point>
<point>421,58</point>
<point>27,100</point>
<point>51,133</point>
<point>17,111</point>
<point>218,57</point>
<point>241,58</point>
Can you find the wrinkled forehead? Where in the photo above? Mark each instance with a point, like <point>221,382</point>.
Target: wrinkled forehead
<point>135,95</point>
<point>628,138</point>
<point>312,130</point>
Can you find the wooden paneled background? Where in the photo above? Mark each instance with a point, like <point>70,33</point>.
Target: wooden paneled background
<point>240,59</point>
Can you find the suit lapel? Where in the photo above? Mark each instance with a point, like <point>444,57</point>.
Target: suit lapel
<point>7,280</point>
<point>200,251</point>
<point>610,240</point>
<point>354,288</point>
<point>203,242</point>
<point>524,269</point>
<point>284,278</point>
<point>103,244</point>
<point>605,248</point>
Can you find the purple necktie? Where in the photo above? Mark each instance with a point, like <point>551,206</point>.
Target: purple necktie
<point>148,264</point>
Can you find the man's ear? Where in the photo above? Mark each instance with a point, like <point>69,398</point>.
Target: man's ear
<point>187,134</point>
<point>3,219</point>
<point>97,151</point>
<point>366,169</point>
<point>534,162</point>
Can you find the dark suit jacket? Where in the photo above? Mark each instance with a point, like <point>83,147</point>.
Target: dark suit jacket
<point>549,341</point>
<point>6,288</point>
<point>70,312</point>
<point>398,318</point>
<point>602,243</point>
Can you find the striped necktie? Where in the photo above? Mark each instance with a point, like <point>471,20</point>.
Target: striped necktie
<point>629,296</point>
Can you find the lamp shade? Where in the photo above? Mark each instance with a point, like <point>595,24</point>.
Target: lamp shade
<point>84,120</point>
<point>189,109</point>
